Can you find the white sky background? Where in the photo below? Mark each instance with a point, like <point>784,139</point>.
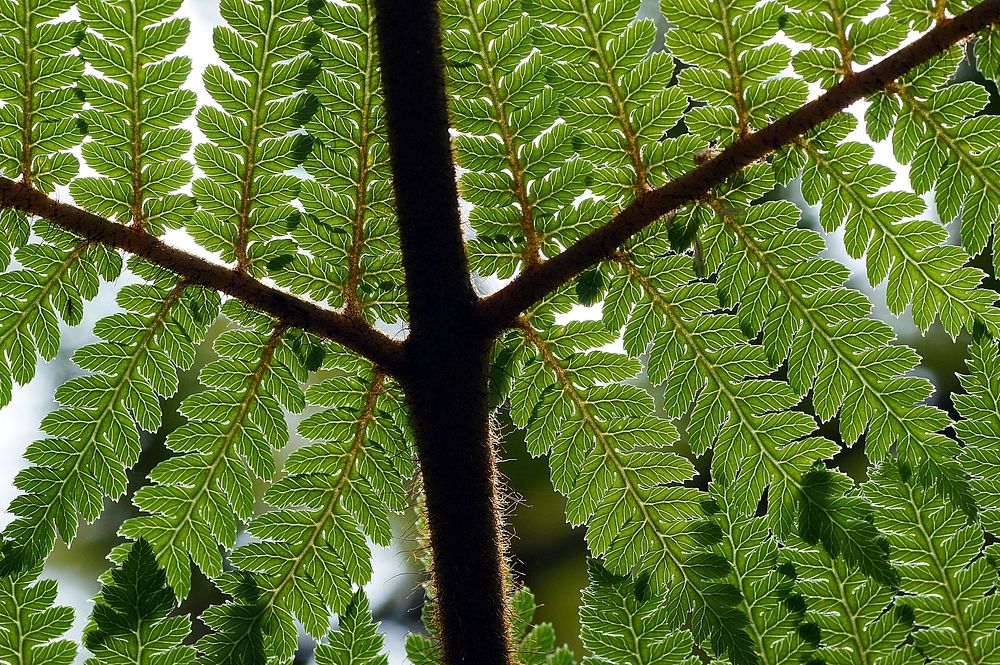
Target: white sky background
<point>19,422</point>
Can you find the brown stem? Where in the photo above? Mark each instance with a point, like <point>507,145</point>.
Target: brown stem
<point>502,308</point>
<point>446,378</point>
<point>355,334</point>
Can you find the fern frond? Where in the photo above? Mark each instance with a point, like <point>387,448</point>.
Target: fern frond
<point>951,148</point>
<point>951,584</point>
<point>609,457</point>
<point>348,227</point>
<point>841,34</point>
<point>737,65</point>
<point>238,634</point>
<point>130,623</point>
<point>612,90</point>
<point>93,436</point>
<point>522,170</point>
<point>233,426</point>
<point>854,616</point>
<point>313,547</point>
<point>980,430</point>
<point>921,268</point>
<point>775,611</point>
<point>56,278</point>
<point>796,300</point>
<point>625,623</point>
<point>135,105</point>
<point>31,624</point>
<point>39,73</point>
<point>39,103</point>
<point>39,125</point>
<point>245,199</point>
<point>356,640</point>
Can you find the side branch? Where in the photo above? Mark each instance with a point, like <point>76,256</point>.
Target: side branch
<point>500,310</point>
<point>355,334</point>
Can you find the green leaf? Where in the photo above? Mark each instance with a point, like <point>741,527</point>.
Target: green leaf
<point>233,427</point>
<point>31,624</point>
<point>950,584</point>
<point>130,622</point>
<point>356,640</point>
<point>245,197</point>
<point>336,497</point>
<point>621,623</point>
<point>93,435</point>
<point>980,430</point>
<point>135,107</point>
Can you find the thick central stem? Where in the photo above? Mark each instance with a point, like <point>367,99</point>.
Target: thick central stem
<point>449,402</point>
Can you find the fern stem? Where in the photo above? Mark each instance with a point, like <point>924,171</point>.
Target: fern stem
<point>501,309</point>
<point>354,334</point>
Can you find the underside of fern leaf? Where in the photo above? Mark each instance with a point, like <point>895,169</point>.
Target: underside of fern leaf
<point>405,208</point>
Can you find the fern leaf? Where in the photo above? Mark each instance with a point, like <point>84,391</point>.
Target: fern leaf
<point>624,623</point>
<point>614,92</point>
<point>39,73</point>
<point>238,626</point>
<point>853,614</point>
<point>356,640</point>
<point>313,547</point>
<point>348,227</point>
<point>56,278</point>
<point>39,126</point>
<point>521,167</point>
<point>31,625</point>
<point>796,300</point>
<point>608,456</point>
<point>950,147</point>
<point>951,583</point>
<point>979,430</point>
<point>774,610</point>
<point>840,34</point>
<point>233,426</point>
<point>93,436</point>
<point>921,269</point>
<point>135,107</point>
<point>130,622</point>
<point>737,74</point>
<point>245,199</point>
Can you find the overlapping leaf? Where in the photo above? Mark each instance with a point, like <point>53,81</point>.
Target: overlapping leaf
<point>312,547</point>
<point>979,430</point>
<point>348,227</point>
<point>234,425</point>
<point>130,623</point>
<point>796,301</point>
<point>950,583</point>
<point>254,138</point>
<point>135,105</point>
<point>93,437</point>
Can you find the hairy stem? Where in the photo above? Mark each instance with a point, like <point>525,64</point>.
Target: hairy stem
<point>354,334</point>
<point>446,378</point>
<point>501,309</point>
